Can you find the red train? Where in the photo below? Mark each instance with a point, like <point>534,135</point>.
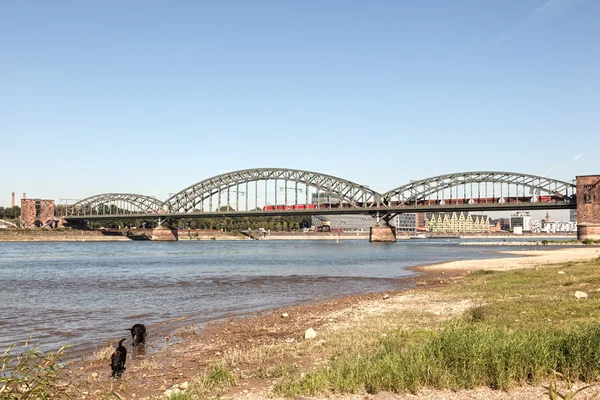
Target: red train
<point>488,200</point>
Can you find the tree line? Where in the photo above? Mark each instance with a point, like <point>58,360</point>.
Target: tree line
<point>10,212</point>
<point>228,224</point>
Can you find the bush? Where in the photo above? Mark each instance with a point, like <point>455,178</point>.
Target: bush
<point>31,374</point>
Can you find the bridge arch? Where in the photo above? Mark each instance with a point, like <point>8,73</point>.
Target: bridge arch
<point>271,189</point>
<point>496,186</point>
<point>115,204</point>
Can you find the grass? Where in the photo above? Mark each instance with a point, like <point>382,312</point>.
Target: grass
<point>216,380</point>
<point>512,338</point>
<point>103,354</point>
<point>460,356</point>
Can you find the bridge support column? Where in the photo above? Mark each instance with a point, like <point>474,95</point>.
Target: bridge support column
<point>162,234</point>
<point>588,207</point>
<point>382,233</point>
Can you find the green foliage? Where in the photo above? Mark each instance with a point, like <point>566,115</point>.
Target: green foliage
<point>11,212</point>
<point>32,374</point>
<point>590,241</point>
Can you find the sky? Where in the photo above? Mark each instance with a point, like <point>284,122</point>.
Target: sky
<point>150,97</point>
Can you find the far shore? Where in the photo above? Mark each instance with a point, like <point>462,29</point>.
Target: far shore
<point>76,235</point>
<point>236,339</point>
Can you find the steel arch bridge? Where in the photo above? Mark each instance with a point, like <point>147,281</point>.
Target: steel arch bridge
<point>298,188</point>
<point>493,185</point>
<point>115,204</point>
<point>280,191</point>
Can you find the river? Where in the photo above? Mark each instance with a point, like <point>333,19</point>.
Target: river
<point>87,293</point>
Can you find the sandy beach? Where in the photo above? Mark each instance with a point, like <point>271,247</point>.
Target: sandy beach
<point>174,361</point>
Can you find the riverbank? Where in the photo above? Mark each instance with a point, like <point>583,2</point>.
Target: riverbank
<point>261,350</point>
<point>111,235</point>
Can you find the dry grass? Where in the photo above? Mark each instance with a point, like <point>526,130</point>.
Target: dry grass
<point>148,365</point>
<point>103,354</point>
<point>187,331</point>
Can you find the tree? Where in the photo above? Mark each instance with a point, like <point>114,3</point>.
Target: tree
<point>12,212</point>
<point>1,212</point>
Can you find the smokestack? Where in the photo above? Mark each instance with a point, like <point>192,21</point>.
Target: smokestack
<point>24,196</point>
<point>12,203</point>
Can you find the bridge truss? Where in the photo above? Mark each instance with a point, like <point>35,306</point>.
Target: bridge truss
<point>115,204</point>
<point>277,191</point>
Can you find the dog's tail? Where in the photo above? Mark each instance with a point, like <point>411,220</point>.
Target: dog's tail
<point>121,342</point>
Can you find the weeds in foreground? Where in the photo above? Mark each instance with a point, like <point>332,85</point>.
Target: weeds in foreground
<point>32,374</point>
<point>554,394</point>
<point>35,375</point>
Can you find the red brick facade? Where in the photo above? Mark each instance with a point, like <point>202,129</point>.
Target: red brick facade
<point>588,207</point>
<point>36,213</point>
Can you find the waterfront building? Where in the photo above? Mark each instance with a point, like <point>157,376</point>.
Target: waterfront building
<point>521,221</point>
<point>457,223</point>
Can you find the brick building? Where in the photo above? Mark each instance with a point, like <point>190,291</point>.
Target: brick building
<point>588,207</point>
<point>36,213</point>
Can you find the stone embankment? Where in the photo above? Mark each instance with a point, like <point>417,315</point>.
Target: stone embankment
<point>44,235</point>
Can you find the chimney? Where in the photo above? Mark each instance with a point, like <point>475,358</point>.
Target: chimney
<point>24,196</point>
<point>12,203</point>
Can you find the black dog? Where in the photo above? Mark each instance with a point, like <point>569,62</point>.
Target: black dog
<point>117,360</point>
<point>138,334</point>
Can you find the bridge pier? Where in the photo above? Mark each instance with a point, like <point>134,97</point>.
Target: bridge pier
<point>588,207</point>
<point>162,234</point>
<point>382,234</point>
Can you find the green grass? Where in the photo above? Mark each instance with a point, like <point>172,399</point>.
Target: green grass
<point>460,356</point>
<point>216,380</point>
<point>527,326</point>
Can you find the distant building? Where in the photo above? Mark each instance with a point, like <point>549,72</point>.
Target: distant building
<point>522,221</point>
<point>36,213</point>
<point>363,223</point>
<point>573,215</point>
<point>457,223</point>
<point>346,223</point>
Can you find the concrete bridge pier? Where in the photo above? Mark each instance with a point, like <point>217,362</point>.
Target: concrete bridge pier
<point>164,233</point>
<point>588,207</point>
<point>382,232</point>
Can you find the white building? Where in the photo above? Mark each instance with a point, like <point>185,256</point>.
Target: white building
<point>521,220</point>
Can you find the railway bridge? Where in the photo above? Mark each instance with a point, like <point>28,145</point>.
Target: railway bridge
<point>280,191</point>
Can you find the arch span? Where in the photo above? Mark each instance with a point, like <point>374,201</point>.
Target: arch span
<point>253,189</point>
<point>116,204</point>
<point>495,185</point>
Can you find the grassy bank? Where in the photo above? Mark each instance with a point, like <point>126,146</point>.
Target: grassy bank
<point>521,328</point>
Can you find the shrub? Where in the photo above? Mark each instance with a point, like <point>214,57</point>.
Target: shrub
<point>32,374</point>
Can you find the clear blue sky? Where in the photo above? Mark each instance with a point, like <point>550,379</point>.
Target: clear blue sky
<point>152,96</point>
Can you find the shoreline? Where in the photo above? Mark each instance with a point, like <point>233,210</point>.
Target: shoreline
<point>202,344</point>
<point>74,235</point>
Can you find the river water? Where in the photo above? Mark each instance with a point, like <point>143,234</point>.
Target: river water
<point>87,293</point>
